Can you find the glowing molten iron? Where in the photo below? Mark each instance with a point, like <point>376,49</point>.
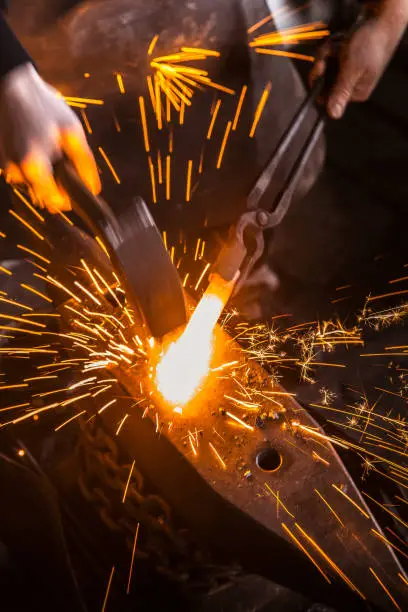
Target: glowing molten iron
<point>186,363</point>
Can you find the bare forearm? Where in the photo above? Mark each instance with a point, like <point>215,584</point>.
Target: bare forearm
<point>396,10</point>
<point>393,14</point>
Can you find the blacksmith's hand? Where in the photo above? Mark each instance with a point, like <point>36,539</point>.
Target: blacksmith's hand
<point>364,57</point>
<point>37,128</point>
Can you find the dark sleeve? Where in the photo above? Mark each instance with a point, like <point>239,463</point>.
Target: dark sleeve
<point>12,53</point>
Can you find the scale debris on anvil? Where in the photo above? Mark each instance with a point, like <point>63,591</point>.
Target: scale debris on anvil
<point>260,482</point>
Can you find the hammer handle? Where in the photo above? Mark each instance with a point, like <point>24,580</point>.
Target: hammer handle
<point>91,209</point>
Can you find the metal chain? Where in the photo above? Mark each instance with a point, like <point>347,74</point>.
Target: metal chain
<point>102,479</point>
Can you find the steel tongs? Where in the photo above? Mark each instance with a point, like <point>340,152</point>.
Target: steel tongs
<point>245,244</point>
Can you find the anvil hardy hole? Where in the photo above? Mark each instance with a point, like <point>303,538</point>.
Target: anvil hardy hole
<point>269,460</point>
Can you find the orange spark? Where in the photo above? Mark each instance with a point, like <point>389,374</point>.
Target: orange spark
<point>80,314</point>
<point>182,111</point>
<point>27,203</point>
<point>121,85</point>
<point>41,295</point>
<point>303,549</point>
<point>94,101</point>
<point>239,107</point>
<point>159,168</point>
<point>36,265</point>
<point>151,93</point>
<point>310,31</point>
<point>213,118</point>
<point>34,253</point>
<point>223,145</point>
<point>259,108</point>
<point>91,276</point>
<point>198,283</point>
<point>26,224</point>
<point>107,406</point>
<point>7,387</point>
<point>5,271</point>
<point>395,516</point>
<point>278,500</point>
<point>329,507</point>
<point>105,601</point>
<point>88,293</point>
<point>86,121</point>
<point>21,320</point>
<point>384,539</point>
<point>168,177</point>
<point>69,420</point>
<point>109,164</point>
<point>200,166</point>
<point>152,44</point>
<point>191,441</point>
<point>144,123</point>
<point>385,295</point>
<point>209,52</point>
<point>152,180</point>
<point>32,413</point>
<point>121,424</point>
<point>238,420</point>
<point>61,286</point>
<point>329,560</point>
<point>169,96</point>
<point>290,54</point>
<point>14,303</point>
<point>218,456</point>
<point>385,588</point>
<point>363,512</point>
<point>404,580</point>
<point>117,124</point>
<point>133,558</point>
<point>72,400</point>
<point>315,432</point>
<point>319,458</point>
<point>127,483</point>
<point>188,185</point>
<point>14,407</point>
<point>260,23</point>
<point>157,96</point>
<point>197,249</point>
<point>106,284</point>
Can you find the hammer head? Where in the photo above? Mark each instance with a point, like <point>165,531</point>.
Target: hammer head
<point>151,280</point>
<point>136,250</point>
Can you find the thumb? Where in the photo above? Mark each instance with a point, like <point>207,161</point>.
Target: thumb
<point>343,89</point>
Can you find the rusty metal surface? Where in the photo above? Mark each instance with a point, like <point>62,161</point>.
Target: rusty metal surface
<point>233,511</point>
<point>351,545</point>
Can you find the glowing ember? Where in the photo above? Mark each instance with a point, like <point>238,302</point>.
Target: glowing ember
<point>186,363</point>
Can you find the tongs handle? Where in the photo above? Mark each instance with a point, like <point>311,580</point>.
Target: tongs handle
<point>236,256</point>
<point>92,210</point>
